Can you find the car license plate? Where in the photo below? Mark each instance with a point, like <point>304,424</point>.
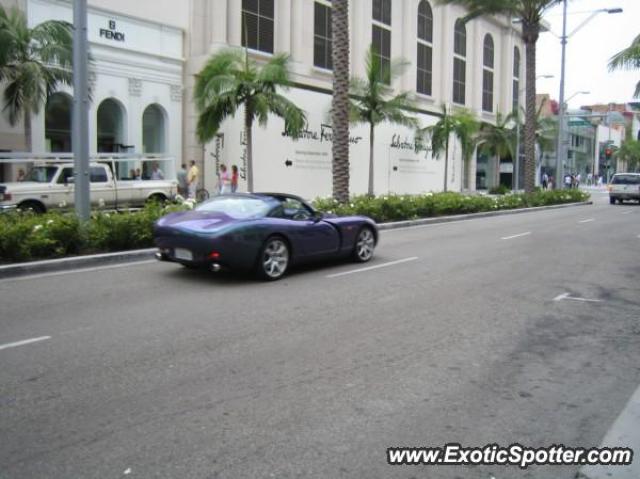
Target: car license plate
<point>184,254</point>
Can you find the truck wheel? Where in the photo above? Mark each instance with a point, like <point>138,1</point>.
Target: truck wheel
<point>34,206</point>
<point>157,198</point>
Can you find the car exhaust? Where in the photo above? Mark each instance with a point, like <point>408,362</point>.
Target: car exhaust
<point>215,267</point>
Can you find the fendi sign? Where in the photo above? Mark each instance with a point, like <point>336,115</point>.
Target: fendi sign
<point>111,33</point>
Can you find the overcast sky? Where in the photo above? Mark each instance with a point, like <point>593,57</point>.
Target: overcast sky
<point>588,52</point>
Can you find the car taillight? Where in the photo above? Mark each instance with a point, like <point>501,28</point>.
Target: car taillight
<point>214,255</point>
<point>6,197</point>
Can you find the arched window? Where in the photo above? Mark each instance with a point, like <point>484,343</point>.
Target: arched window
<point>257,24</point>
<point>111,127</point>
<point>381,37</point>
<point>425,48</point>
<point>487,74</point>
<point>459,62</point>
<point>516,79</point>
<point>153,129</point>
<point>57,123</point>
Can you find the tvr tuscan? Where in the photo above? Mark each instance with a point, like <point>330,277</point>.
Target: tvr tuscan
<point>265,232</point>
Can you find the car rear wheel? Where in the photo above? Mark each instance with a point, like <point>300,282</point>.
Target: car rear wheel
<point>274,259</point>
<point>365,244</point>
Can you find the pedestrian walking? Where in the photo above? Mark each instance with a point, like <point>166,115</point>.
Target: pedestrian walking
<point>545,181</point>
<point>192,180</point>
<point>568,180</point>
<point>234,178</point>
<point>224,181</point>
<point>181,176</point>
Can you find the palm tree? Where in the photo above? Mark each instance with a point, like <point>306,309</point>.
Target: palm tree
<point>463,125</point>
<point>498,141</point>
<point>340,101</point>
<point>229,81</point>
<point>530,13</point>
<point>629,59</point>
<point>629,155</point>
<point>369,103</point>
<point>34,62</point>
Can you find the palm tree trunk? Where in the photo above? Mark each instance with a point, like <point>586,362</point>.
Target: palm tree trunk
<point>340,102</point>
<point>371,172</point>
<point>530,35</point>
<point>496,170</point>
<point>446,163</point>
<point>248,123</point>
<point>28,146</point>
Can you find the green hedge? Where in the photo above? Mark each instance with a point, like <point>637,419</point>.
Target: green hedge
<point>26,236</point>
<point>407,207</point>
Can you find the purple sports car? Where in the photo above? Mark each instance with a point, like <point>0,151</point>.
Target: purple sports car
<point>265,232</point>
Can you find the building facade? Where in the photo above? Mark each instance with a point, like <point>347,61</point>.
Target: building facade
<point>147,54</point>
<point>136,77</point>
<point>478,65</point>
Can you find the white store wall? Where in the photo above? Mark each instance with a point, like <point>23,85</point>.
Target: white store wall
<point>303,166</point>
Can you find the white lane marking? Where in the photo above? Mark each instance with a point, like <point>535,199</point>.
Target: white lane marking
<point>79,270</point>
<point>22,343</point>
<point>627,212</point>
<point>383,265</point>
<point>563,296</point>
<point>516,236</point>
<point>586,221</point>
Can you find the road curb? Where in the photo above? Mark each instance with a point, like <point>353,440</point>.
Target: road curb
<point>78,262</point>
<point>470,216</point>
<point>75,262</point>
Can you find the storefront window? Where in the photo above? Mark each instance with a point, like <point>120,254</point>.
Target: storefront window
<point>58,123</point>
<point>111,127</point>
<point>153,130</point>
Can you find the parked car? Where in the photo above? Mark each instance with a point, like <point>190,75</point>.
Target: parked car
<point>624,186</point>
<point>265,232</point>
<point>50,185</point>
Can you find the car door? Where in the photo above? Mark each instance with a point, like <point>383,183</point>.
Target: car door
<point>311,236</point>
<point>103,193</point>
<point>62,191</point>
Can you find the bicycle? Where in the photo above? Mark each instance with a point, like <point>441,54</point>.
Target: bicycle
<point>201,195</point>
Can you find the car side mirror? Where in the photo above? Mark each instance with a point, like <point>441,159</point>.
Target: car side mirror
<point>69,180</point>
<point>318,216</point>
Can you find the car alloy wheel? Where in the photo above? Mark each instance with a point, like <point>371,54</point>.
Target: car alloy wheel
<point>365,244</point>
<point>274,260</point>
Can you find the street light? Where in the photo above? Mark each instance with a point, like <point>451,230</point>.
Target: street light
<point>516,163</point>
<point>560,151</point>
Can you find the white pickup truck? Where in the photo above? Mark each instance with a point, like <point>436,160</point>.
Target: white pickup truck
<point>50,185</point>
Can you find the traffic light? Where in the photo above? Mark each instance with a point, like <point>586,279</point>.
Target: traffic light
<point>607,153</point>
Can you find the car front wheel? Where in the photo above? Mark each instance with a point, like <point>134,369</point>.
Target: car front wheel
<point>365,244</point>
<point>274,259</point>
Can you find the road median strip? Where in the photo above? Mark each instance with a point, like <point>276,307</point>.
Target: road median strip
<point>78,262</point>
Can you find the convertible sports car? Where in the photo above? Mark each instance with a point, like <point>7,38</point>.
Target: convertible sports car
<point>263,231</point>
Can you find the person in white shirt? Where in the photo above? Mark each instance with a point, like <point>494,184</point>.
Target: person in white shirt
<point>156,173</point>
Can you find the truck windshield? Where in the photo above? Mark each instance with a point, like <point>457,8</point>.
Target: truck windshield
<point>41,174</point>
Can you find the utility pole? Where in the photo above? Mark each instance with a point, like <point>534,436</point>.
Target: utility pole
<point>560,147</point>
<point>80,116</point>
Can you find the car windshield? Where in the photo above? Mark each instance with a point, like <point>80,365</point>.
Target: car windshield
<point>626,180</point>
<point>237,207</point>
<point>41,174</point>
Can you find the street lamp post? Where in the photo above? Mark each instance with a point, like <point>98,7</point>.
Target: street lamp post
<point>80,118</point>
<point>562,142</point>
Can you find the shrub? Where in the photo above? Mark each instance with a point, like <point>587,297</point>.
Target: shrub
<point>499,190</point>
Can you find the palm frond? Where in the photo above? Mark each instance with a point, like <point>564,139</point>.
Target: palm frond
<point>628,59</point>
<point>295,120</point>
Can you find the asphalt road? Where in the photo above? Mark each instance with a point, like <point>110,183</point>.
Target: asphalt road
<point>474,332</point>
